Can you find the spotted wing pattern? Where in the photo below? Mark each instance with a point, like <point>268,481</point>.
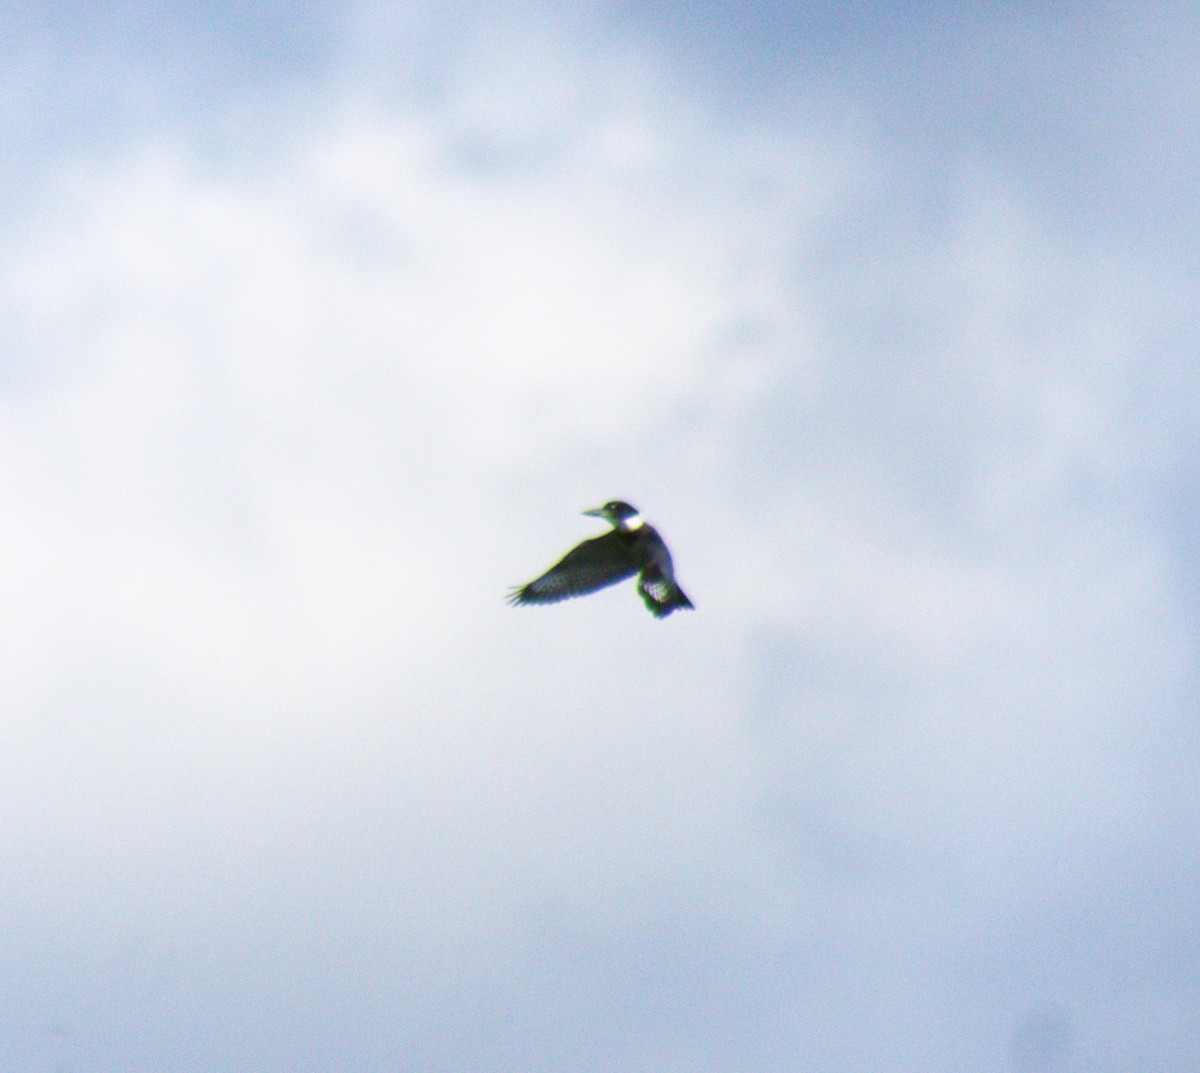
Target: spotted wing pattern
<point>660,593</point>
<point>594,564</point>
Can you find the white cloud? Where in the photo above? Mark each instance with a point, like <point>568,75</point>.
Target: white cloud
<point>264,466</point>
<point>284,423</point>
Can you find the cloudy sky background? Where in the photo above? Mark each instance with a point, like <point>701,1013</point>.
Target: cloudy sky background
<point>322,323</point>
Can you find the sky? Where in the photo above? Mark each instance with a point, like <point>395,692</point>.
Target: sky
<point>323,323</point>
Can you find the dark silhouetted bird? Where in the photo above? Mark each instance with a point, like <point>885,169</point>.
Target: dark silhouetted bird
<point>632,547</point>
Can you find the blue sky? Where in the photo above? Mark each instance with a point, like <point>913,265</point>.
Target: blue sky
<point>324,323</point>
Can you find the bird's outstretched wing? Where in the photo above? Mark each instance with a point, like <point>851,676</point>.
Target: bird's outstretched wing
<point>594,564</point>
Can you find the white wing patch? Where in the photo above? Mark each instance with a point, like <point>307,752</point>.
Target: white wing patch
<point>659,589</point>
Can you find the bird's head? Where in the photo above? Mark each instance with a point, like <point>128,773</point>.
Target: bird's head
<point>618,514</point>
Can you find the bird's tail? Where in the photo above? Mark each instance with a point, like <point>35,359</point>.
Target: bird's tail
<point>672,600</point>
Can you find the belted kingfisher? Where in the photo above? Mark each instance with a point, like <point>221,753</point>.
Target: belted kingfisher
<point>632,547</point>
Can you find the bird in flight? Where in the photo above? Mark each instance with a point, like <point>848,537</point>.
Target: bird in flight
<point>631,547</point>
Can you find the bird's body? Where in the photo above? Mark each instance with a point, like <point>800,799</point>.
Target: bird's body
<point>631,547</point>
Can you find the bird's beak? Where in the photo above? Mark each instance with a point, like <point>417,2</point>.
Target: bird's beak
<point>596,512</point>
